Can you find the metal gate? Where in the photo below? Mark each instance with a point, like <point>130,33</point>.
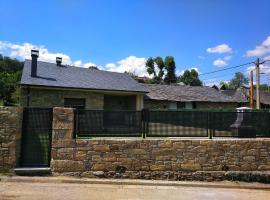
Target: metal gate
<point>36,137</point>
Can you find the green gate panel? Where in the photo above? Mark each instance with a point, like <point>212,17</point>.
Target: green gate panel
<point>36,137</point>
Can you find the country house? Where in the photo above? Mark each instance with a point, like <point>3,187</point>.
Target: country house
<point>45,84</point>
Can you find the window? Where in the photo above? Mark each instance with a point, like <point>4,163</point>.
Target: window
<point>74,103</point>
<point>186,105</point>
<point>181,105</point>
<point>172,105</point>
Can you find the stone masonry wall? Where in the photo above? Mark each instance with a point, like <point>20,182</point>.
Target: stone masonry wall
<point>150,158</point>
<point>49,98</point>
<point>10,137</point>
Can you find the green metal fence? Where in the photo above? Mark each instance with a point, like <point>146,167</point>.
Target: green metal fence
<point>184,123</point>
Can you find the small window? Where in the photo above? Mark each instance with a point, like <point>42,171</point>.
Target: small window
<point>74,103</point>
<point>181,105</point>
<point>172,105</point>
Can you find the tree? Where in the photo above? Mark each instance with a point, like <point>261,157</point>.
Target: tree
<point>93,67</point>
<point>170,77</point>
<point>190,78</point>
<point>162,72</point>
<point>150,65</point>
<point>224,86</point>
<point>10,75</point>
<point>238,81</point>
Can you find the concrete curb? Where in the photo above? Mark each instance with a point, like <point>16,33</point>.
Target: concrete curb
<point>222,184</point>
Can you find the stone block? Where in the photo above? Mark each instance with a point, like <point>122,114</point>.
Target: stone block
<point>80,155</point>
<point>191,167</point>
<point>102,148</point>
<point>249,158</point>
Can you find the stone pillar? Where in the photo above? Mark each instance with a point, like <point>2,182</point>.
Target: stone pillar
<point>63,123</point>
<point>62,131</point>
<point>10,137</point>
<point>139,102</point>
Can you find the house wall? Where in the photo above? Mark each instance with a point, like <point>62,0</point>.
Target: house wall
<point>208,105</point>
<point>48,98</point>
<point>119,102</point>
<point>153,104</point>
<point>53,98</point>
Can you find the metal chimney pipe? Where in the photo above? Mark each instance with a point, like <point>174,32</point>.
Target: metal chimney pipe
<point>34,55</point>
<point>58,61</point>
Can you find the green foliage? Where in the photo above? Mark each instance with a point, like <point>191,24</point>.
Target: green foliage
<point>10,75</point>
<point>93,67</point>
<point>224,86</point>
<point>170,67</point>
<point>10,65</point>
<point>238,81</point>
<point>154,64</point>
<point>190,78</point>
<point>264,87</point>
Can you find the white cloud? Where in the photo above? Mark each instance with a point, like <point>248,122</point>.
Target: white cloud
<point>219,63</point>
<point>263,69</point>
<point>23,51</point>
<point>261,50</point>
<point>222,48</point>
<point>129,64</point>
<point>227,58</point>
<point>266,58</point>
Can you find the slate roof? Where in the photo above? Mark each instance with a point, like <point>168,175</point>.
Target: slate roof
<point>51,75</point>
<point>238,95</point>
<point>264,96</point>
<point>183,93</point>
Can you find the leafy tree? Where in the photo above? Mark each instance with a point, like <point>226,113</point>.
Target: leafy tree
<point>264,87</point>
<point>224,86</point>
<point>190,77</point>
<point>10,65</point>
<point>10,75</point>
<point>170,77</point>
<point>93,67</point>
<point>151,64</point>
<point>238,81</point>
<point>166,70</point>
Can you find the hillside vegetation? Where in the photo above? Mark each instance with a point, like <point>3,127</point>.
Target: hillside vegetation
<point>10,75</point>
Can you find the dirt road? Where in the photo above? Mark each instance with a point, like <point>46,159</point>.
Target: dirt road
<point>70,191</point>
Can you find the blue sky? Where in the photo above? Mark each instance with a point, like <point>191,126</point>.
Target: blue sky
<point>120,35</point>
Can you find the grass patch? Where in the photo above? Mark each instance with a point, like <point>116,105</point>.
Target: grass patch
<point>1,102</point>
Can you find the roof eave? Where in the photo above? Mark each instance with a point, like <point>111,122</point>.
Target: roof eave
<point>75,88</point>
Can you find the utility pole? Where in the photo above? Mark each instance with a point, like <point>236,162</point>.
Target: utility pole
<point>251,90</point>
<point>258,83</point>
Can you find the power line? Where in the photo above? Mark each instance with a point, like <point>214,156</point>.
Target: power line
<point>223,76</point>
<point>212,72</point>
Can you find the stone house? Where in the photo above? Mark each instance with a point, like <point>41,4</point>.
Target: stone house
<point>190,97</point>
<point>46,84</point>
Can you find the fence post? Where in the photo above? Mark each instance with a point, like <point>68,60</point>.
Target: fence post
<point>145,116</point>
<point>210,125</point>
<point>76,121</point>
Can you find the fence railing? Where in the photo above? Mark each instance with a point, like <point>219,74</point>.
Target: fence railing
<point>101,123</point>
<point>98,123</point>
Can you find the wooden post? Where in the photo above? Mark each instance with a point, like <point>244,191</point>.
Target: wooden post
<point>251,90</point>
<point>258,106</point>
